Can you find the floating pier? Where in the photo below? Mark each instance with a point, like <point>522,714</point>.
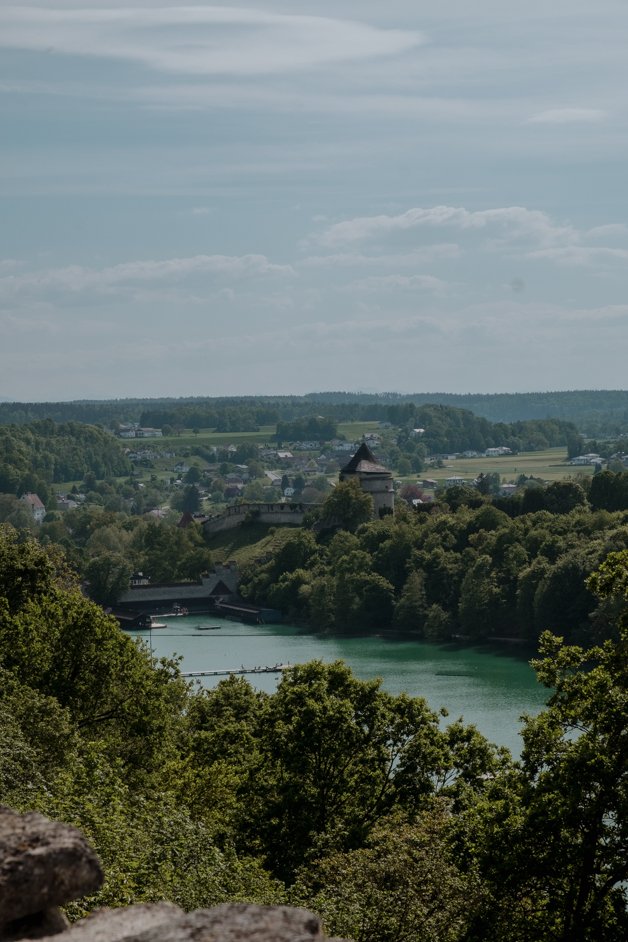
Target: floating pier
<point>276,669</point>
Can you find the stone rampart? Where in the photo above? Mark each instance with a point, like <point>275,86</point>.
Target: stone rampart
<point>277,514</point>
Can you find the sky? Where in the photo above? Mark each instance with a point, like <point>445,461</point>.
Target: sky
<point>281,197</point>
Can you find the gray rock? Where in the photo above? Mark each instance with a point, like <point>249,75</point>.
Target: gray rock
<point>43,864</point>
<point>118,925</point>
<point>241,922</point>
<point>36,926</point>
<point>232,922</point>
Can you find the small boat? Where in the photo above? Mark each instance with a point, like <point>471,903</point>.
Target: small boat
<point>208,627</point>
<point>157,624</point>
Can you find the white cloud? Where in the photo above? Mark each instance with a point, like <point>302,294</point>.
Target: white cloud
<point>568,116</point>
<point>76,278</point>
<point>430,253</point>
<point>200,40</point>
<point>611,230</point>
<point>513,221</point>
<point>576,255</point>
<point>512,231</point>
<point>376,283</point>
<point>10,264</point>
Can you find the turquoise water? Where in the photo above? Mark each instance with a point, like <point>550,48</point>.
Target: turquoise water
<point>490,688</point>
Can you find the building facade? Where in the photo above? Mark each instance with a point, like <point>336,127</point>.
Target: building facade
<point>373,478</point>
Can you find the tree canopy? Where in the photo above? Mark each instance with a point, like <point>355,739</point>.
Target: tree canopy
<point>329,792</point>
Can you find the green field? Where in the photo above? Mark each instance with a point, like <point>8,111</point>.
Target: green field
<point>549,465</point>
<point>207,437</point>
<point>352,431</point>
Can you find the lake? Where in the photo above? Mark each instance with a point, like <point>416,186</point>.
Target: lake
<point>488,687</point>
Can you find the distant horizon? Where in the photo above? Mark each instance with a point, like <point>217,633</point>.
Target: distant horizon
<point>318,392</point>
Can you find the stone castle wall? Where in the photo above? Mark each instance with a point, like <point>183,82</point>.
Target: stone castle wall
<point>276,514</point>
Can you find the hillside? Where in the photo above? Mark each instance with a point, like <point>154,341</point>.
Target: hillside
<point>246,544</point>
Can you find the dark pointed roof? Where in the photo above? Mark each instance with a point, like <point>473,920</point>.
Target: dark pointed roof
<point>364,462</point>
<point>185,520</point>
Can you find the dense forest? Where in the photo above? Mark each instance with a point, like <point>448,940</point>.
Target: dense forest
<point>460,568</point>
<point>596,413</point>
<point>329,793</point>
<point>43,452</point>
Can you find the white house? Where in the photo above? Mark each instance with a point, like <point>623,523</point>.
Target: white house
<point>455,480</point>
<point>35,505</point>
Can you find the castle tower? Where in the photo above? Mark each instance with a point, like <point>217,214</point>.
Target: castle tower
<point>374,478</point>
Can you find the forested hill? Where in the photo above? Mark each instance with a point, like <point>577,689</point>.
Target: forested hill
<point>47,452</point>
<point>595,412</point>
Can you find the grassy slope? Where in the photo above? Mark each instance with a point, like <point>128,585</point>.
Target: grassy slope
<point>247,543</point>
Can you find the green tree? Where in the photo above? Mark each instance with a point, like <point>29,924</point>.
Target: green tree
<point>411,609</point>
<point>552,834</point>
<point>347,506</point>
<point>403,885</point>
<point>330,749</point>
<point>108,577</point>
<point>480,608</point>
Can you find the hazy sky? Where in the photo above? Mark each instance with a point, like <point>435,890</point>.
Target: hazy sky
<point>276,196</point>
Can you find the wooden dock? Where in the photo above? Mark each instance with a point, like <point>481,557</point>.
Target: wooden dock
<point>226,672</point>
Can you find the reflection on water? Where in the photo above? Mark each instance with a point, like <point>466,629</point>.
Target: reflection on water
<point>488,687</point>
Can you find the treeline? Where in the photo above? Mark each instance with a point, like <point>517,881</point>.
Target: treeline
<point>329,793</point>
<point>76,448</point>
<point>599,412</point>
<point>472,571</point>
<point>596,413</point>
<point>446,429</point>
<point>44,452</point>
<point>311,428</point>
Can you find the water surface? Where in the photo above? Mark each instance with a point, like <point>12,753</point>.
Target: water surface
<point>489,687</point>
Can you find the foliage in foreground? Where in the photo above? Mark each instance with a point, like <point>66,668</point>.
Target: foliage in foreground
<point>330,792</point>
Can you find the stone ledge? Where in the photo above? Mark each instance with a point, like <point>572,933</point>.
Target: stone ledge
<point>231,922</point>
<point>43,864</point>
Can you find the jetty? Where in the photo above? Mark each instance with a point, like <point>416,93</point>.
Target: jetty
<point>226,672</point>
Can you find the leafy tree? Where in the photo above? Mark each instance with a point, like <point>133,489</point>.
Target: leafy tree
<point>410,492</point>
<point>336,754</point>
<point>563,496</point>
<point>480,609</point>
<point>609,491</point>
<point>108,577</point>
<point>188,500</point>
<point>552,835</point>
<point>330,749</point>
<point>347,506</point>
<point>402,885</point>
<point>193,474</point>
<point>411,609</point>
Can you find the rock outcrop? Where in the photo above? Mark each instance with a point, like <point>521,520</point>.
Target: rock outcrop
<point>44,864</point>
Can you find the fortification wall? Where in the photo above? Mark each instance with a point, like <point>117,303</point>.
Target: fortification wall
<point>275,514</point>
